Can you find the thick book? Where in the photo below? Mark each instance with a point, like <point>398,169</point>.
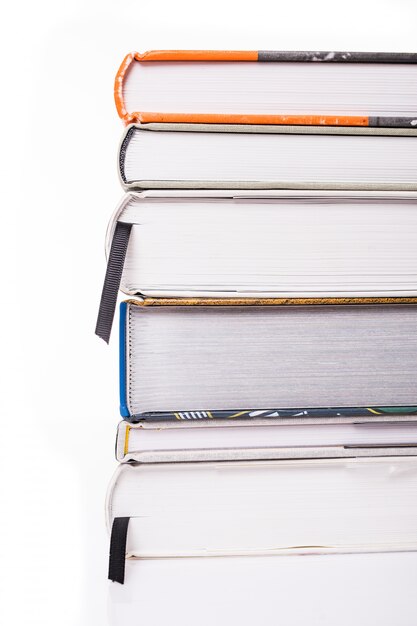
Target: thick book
<point>313,590</point>
<point>177,510</point>
<point>215,440</point>
<point>277,244</point>
<point>287,244</point>
<point>268,87</point>
<point>220,156</point>
<point>257,358</point>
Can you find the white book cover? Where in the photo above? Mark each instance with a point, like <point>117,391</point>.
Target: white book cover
<point>254,243</point>
<point>188,156</point>
<point>266,507</point>
<point>150,442</point>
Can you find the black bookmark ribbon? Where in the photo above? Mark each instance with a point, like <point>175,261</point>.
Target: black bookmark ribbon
<point>117,557</point>
<point>112,280</point>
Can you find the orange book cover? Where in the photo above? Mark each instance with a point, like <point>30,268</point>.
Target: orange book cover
<point>159,57</point>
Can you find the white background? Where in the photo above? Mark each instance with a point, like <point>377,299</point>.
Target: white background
<point>59,136</point>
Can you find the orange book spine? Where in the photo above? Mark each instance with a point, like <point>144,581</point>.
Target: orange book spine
<point>170,55</point>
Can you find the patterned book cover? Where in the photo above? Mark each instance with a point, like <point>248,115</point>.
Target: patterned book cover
<point>325,412</point>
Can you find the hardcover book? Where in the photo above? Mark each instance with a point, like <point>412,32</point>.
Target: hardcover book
<point>267,366</point>
<point>215,440</point>
<point>268,87</point>
<point>171,510</point>
<point>256,358</point>
<point>276,244</point>
<point>216,156</point>
<point>287,244</point>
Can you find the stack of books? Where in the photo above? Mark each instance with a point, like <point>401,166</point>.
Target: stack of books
<point>268,348</point>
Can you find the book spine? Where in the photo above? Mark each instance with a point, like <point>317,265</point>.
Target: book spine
<point>122,440</point>
<point>118,88</point>
<point>122,153</point>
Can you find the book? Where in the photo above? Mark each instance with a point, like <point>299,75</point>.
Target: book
<point>219,358</point>
<point>310,244</point>
<point>216,440</point>
<point>267,367</point>
<point>277,244</point>
<point>264,87</point>
<point>318,590</point>
<point>261,507</point>
<point>216,156</point>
